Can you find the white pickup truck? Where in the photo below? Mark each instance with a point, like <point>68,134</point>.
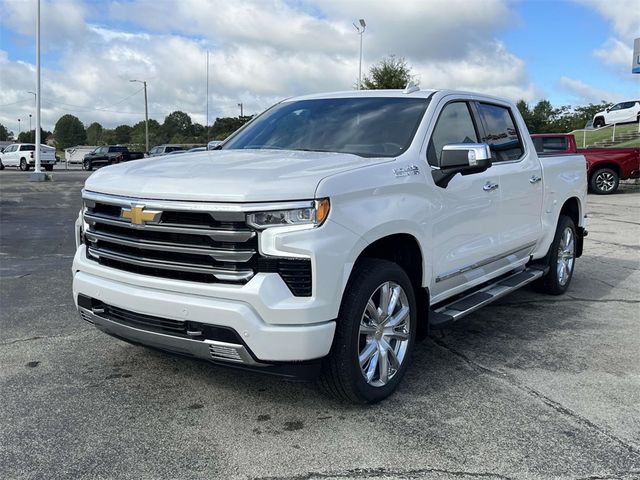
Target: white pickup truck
<point>328,234</point>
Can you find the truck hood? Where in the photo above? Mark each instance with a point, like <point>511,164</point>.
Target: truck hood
<point>226,175</point>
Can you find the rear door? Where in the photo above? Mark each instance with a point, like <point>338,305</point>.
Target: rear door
<point>520,180</point>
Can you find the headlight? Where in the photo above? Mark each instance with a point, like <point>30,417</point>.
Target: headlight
<point>314,214</point>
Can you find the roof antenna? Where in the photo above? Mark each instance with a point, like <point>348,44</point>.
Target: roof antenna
<point>411,87</point>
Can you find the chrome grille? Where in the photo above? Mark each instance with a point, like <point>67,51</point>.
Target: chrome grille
<point>184,241</point>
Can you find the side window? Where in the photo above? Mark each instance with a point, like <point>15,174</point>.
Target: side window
<point>454,125</point>
<point>616,107</point>
<point>501,133</point>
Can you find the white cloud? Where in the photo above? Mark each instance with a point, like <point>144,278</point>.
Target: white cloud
<point>624,15</point>
<point>585,93</point>
<point>261,52</point>
<point>615,52</point>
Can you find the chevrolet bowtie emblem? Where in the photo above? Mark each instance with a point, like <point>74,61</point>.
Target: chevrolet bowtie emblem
<point>138,215</point>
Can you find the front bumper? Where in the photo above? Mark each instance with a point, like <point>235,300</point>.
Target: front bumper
<point>261,343</point>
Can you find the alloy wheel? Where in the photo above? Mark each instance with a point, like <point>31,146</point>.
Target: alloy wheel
<point>383,338</point>
<point>566,256</point>
<point>605,181</point>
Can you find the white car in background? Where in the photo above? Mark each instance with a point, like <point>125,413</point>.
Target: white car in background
<point>22,156</point>
<point>624,112</point>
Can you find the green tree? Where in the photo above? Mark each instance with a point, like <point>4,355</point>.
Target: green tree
<point>122,133</point>
<point>69,131</point>
<point>177,125</point>
<point>390,72</point>
<point>30,137</point>
<point>5,135</point>
<point>156,135</point>
<point>223,127</point>
<point>94,133</point>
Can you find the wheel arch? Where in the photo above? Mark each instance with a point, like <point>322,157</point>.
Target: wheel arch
<point>599,166</point>
<point>572,208</point>
<point>403,249</point>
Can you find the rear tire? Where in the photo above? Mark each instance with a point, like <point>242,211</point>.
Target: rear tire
<point>561,258</point>
<point>604,181</point>
<point>48,168</point>
<point>24,166</point>
<point>372,345</point>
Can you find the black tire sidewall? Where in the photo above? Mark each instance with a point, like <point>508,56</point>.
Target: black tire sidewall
<point>87,165</point>
<point>594,187</point>
<point>23,165</point>
<point>370,275</point>
<point>551,283</point>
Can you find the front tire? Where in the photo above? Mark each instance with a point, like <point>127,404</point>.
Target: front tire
<point>87,165</point>
<point>604,181</point>
<point>598,123</point>
<point>375,333</point>
<point>561,258</point>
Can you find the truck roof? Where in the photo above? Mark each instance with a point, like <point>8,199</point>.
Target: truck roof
<point>421,93</point>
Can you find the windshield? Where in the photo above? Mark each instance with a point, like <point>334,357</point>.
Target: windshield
<point>368,127</point>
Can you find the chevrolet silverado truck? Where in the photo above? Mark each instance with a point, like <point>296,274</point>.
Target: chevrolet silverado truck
<point>606,166</point>
<point>108,155</point>
<point>22,156</point>
<point>328,234</point>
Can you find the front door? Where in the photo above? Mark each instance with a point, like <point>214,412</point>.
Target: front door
<point>465,213</point>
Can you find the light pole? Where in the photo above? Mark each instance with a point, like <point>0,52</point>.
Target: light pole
<point>19,129</point>
<point>29,126</point>
<point>37,175</point>
<point>146,114</point>
<point>360,29</point>
<point>241,112</point>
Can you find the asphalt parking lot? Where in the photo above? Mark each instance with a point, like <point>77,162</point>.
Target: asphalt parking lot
<point>530,387</point>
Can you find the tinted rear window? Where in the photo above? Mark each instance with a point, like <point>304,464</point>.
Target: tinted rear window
<point>369,127</point>
<point>550,144</point>
<point>27,148</point>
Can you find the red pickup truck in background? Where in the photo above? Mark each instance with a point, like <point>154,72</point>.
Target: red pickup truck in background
<point>606,166</point>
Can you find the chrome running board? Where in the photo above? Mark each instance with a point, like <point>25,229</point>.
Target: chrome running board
<point>444,315</point>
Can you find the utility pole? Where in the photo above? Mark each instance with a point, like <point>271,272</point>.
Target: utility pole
<point>241,112</point>
<point>146,114</point>
<point>30,137</point>
<point>19,128</point>
<point>360,29</point>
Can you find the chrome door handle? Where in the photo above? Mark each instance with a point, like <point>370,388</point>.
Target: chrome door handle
<point>490,187</point>
<point>535,179</point>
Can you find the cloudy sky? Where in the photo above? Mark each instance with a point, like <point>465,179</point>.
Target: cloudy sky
<point>570,52</point>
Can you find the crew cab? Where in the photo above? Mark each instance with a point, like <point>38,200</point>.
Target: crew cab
<point>22,156</point>
<point>623,112</point>
<point>108,155</point>
<point>328,234</point>
<point>606,166</point>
